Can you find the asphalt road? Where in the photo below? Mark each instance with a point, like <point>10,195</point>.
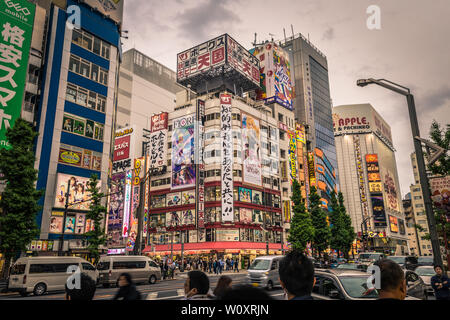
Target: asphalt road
<point>161,290</point>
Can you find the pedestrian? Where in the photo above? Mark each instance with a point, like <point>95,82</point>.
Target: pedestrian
<point>296,273</point>
<point>86,291</point>
<point>440,284</point>
<point>196,286</point>
<point>210,266</point>
<point>215,266</point>
<point>223,285</point>
<point>127,289</point>
<point>236,265</point>
<point>221,265</point>
<point>392,281</point>
<point>166,270</point>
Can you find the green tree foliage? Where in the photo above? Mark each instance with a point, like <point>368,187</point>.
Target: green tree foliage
<point>349,234</point>
<point>322,232</point>
<point>442,139</point>
<point>301,231</point>
<point>19,201</point>
<point>338,231</point>
<point>97,213</point>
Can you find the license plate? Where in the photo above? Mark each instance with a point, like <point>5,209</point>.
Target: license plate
<point>255,284</point>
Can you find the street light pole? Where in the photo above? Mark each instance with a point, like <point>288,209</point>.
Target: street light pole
<point>423,179</point>
<point>66,207</point>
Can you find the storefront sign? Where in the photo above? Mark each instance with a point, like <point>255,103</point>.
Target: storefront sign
<point>227,158</point>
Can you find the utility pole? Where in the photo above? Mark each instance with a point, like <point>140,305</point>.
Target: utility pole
<point>66,207</point>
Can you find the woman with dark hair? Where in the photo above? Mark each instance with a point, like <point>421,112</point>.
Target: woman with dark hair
<point>127,289</point>
<point>223,285</point>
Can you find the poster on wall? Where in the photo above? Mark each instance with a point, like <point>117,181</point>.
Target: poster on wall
<point>116,206</point>
<point>283,83</point>
<point>245,215</point>
<point>78,194</point>
<point>292,157</point>
<point>391,191</point>
<point>158,148</point>
<point>227,234</point>
<point>123,149</point>
<point>174,199</point>
<point>56,224</point>
<point>257,197</point>
<point>80,219</point>
<point>245,195</point>
<point>251,150</point>
<point>127,204</point>
<point>393,223</point>
<point>188,197</point>
<point>173,219</point>
<point>159,122</point>
<point>379,214</point>
<point>401,225</point>
<point>258,217</point>
<point>183,166</point>
<point>188,217</point>
<point>193,236</point>
<point>227,158</point>
<point>70,225</point>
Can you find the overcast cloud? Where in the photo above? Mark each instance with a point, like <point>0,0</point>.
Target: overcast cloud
<point>412,48</point>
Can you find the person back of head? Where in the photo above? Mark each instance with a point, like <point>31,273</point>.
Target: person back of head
<point>392,280</point>
<point>223,285</point>
<point>246,292</point>
<point>296,273</point>
<point>86,291</point>
<point>199,281</point>
<point>127,278</point>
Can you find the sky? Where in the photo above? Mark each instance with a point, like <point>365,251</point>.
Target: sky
<point>411,48</point>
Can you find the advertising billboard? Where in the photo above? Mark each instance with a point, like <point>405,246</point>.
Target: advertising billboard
<point>123,149</point>
<point>56,223</point>
<point>390,190</point>
<point>116,208</point>
<point>393,224</point>
<point>245,215</point>
<point>78,194</point>
<point>379,214</point>
<point>17,19</point>
<point>242,60</point>
<point>227,158</point>
<point>159,122</point>
<point>127,204</point>
<point>251,150</point>
<point>158,148</point>
<point>187,217</point>
<point>440,194</point>
<point>311,170</point>
<point>183,166</point>
<point>292,156</point>
<point>352,119</point>
<point>227,234</point>
<point>111,8</point>
<point>245,195</point>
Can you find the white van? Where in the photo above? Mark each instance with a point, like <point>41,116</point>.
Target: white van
<point>42,274</point>
<point>141,269</point>
<point>263,272</point>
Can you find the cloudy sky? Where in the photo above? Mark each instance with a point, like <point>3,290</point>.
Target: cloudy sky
<point>412,48</point>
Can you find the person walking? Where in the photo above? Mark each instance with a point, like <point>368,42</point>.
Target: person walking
<point>296,274</point>
<point>223,285</point>
<point>236,265</point>
<point>215,266</point>
<point>127,289</point>
<point>440,283</point>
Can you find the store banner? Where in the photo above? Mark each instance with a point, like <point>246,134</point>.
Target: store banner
<point>127,204</point>
<point>227,158</point>
<point>17,19</point>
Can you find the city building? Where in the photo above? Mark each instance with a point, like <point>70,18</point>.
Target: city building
<point>313,109</point>
<point>368,177</point>
<point>75,116</point>
<point>410,223</point>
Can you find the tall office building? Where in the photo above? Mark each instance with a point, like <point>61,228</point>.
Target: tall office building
<point>75,115</point>
<point>368,176</point>
<point>410,222</point>
<point>313,108</point>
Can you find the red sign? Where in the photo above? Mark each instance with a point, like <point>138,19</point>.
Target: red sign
<point>122,148</point>
<point>159,122</point>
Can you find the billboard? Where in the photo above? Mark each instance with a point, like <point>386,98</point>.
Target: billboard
<point>227,158</point>
<point>245,195</point>
<point>183,166</point>
<point>111,8</point>
<point>127,204</point>
<point>158,148</point>
<point>393,224</point>
<point>440,194</point>
<point>116,207</point>
<point>17,19</point>
<point>292,156</point>
<point>390,191</point>
<point>311,170</point>
<point>245,215</point>
<point>78,194</point>
<point>123,149</point>
<point>251,146</point>
<point>159,122</point>
<point>227,234</point>
<point>379,214</point>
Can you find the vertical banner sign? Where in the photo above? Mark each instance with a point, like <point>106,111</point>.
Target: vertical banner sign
<point>138,169</point>
<point>116,209</point>
<point>375,189</point>
<point>127,204</point>
<point>360,172</point>
<point>158,140</point>
<point>16,27</point>
<point>311,169</point>
<point>227,158</point>
<point>146,206</point>
<point>183,166</point>
<point>292,156</point>
<point>200,166</point>
<point>251,150</point>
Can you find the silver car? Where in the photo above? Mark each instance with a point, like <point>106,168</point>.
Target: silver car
<point>425,273</point>
<point>263,272</point>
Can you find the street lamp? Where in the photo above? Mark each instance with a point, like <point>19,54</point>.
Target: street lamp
<point>419,155</point>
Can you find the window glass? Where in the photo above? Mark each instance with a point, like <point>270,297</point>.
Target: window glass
<point>18,269</point>
<point>103,266</point>
<point>82,96</point>
<point>78,126</point>
<point>90,125</point>
<point>85,68</point>
<point>40,268</point>
<point>94,72</point>
<point>63,267</point>
<point>71,93</point>
<point>105,50</point>
<point>77,37</point>
<point>92,101</point>
<point>328,286</point>
<point>87,266</point>
<point>74,64</point>
<point>101,103</point>
<point>87,41</point>
<point>97,46</point>
<point>68,124</point>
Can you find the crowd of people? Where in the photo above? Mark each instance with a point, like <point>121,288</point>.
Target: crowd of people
<point>296,274</point>
<point>216,266</point>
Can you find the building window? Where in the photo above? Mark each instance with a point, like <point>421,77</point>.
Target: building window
<point>85,98</point>
<point>84,67</point>
<point>280,117</point>
<point>283,153</point>
<point>92,43</point>
<point>83,127</point>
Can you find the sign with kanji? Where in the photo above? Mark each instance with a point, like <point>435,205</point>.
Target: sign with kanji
<point>227,158</point>
<point>16,29</point>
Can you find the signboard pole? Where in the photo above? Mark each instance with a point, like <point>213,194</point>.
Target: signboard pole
<point>61,241</point>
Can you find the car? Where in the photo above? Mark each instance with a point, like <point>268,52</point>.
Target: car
<point>425,261</point>
<point>341,284</point>
<point>337,262</point>
<point>353,266</point>
<point>370,256</point>
<point>425,273</point>
<point>263,272</point>
<point>406,262</point>
<point>415,285</point>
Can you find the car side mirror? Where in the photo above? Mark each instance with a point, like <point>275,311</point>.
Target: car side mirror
<point>334,294</point>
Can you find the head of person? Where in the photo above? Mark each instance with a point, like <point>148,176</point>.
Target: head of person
<point>223,285</point>
<point>245,292</point>
<point>296,273</point>
<point>196,282</point>
<point>85,292</point>
<point>392,280</point>
<point>125,280</point>
<point>438,270</point>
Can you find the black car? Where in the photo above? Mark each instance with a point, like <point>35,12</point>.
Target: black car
<point>406,262</point>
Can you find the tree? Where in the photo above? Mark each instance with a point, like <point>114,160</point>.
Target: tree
<point>322,232</point>
<point>442,139</point>
<point>19,201</point>
<point>97,212</point>
<point>349,234</point>
<point>301,231</point>
<point>338,231</point>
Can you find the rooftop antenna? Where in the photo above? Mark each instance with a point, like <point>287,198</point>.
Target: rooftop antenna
<point>270,34</point>
<point>284,32</point>
<point>292,28</point>
<point>254,42</point>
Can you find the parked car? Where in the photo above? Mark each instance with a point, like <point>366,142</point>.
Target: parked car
<point>141,268</point>
<point>425,273</point>
<point>370,256</point>
<point>406,262</point>
<point>425,261</point>
<point>337,262</point>
<point>415,285</point>
<point>43,274</point>
<point>353,266</point>
<point>339,284</point>
<point>263,272</point>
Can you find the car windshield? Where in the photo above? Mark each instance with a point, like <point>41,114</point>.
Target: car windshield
<point>356,287</point>
<point>369,256</point>
<point>426,260</point>
<point>397,259</point>
<point>18,269</point>
<point>425,271</point>
<point>103,266</point>
<point>260,264</point>
<point>348,266</point>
